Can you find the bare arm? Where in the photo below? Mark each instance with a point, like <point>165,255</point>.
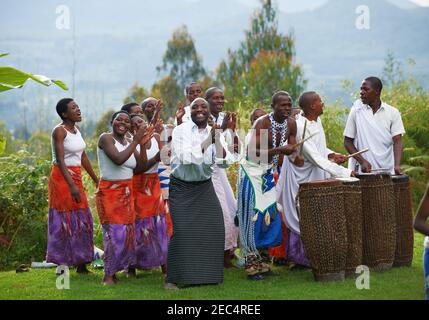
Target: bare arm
<point>58,137</point>
<point>422,215</point>
<point>107,144</point>
<point>146,163</point>
<point>86,164</point>
<point>397,152</point>
<point>351,149</point>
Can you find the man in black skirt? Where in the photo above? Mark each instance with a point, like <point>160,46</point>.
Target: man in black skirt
<point>196,251</point>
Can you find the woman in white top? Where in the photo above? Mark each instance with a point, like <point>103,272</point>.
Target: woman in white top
<point>151,225</point>
<point>70,225</point>
<point>119,159</point>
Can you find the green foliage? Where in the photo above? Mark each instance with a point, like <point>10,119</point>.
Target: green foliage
<point>103,124</point>
<point>2,144</point>
<point>23,208</point>
<point>11,78</point>
<point>181,60</point>
<point>170,93</point>
<point>334,120</point>
<point>136,94</point>
<point>263,63</point>
<point>40,144</point>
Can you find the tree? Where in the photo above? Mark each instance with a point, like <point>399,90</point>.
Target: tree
<point>181,61</point>
<point>136,94</point>
<point>263,63</point>
<point>170,93</point>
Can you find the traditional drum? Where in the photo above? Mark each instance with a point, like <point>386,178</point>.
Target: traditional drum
<point>323,228</point>
<point>352,195</point>
<point>404,221</point>
<point>379,223</point>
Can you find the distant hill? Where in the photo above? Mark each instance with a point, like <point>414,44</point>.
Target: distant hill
<point>121,42</point>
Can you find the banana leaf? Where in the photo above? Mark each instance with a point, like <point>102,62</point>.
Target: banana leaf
<point>11,78</point>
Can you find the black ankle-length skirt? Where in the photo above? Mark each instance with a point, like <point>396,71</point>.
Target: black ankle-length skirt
<point>196,250</point>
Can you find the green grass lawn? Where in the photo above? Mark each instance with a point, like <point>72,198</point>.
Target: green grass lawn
<point>398,283</point>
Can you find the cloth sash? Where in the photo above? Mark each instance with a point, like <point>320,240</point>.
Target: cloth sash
<point>115,203</point>
<point>59,196</point>
<point>370,135</point>
<point>262,180</point>
<point>148,200</point>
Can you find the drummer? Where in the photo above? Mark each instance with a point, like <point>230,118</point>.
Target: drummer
<point>421,225</point>
<point>320,163</point>
<point>374,124</point>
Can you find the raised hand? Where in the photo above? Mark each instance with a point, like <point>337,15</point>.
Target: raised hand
<point>232,123</point>
<point>180,112</point>
<point>158,108</point>
<point>144,134</point>
<point>148,134</point>
<point>159,127</point>
<point>225,121</point>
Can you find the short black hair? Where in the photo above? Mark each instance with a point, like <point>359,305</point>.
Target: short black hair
<point>306,99</point>
<point>211,91</point>
<point>376,83</point>
<point>118,112</point>
<point>127,107</point>
<point>277,95</point>
<point>62,106</point>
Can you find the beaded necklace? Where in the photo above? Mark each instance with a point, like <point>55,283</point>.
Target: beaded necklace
<point>275,127</point>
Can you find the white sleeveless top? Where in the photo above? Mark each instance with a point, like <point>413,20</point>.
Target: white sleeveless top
<point>74,145</point>
<point>151,152</point>
<point>427,242</point>
<point>111,171</point>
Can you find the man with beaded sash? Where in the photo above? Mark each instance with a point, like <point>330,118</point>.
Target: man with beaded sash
<point>272,135</point>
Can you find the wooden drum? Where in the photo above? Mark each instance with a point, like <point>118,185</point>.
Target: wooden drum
<point>379,222</point>
<point>404,221</point>
<point>323,228</point>
<point>352,195</point>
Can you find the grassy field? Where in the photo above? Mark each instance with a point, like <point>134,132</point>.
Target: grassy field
<point>398,283</point>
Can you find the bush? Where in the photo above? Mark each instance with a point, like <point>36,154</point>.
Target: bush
<point>23,208</point>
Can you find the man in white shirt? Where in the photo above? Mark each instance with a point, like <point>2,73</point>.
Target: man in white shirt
<point>320,163</point>
<point>196,250</point>
<point>192,91</point>
<point>375,125</point>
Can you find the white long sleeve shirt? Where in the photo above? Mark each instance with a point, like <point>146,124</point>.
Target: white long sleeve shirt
<point>188,162</point>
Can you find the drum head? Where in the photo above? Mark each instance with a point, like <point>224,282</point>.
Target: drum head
<point>320,183</point>
<point>401,178</point>
<point>372,176</point>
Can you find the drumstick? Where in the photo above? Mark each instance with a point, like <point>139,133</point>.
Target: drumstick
<point>303,136</point>
<point>302,141</point>
<point>357,153</point>
<point>380,169</point>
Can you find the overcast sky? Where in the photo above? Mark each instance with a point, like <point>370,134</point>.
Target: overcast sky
<point>301,5</point>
